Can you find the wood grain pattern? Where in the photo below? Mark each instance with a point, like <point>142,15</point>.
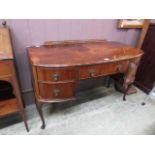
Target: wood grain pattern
<point>81,54</point>
<point>57,91</point>
<point>55,74</point>
<point>103,69</point>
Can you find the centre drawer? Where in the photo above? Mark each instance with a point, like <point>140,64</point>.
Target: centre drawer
<point>102,69</point>
<point>55,74</point>
<point>5,68</point>
<point>57,91</point>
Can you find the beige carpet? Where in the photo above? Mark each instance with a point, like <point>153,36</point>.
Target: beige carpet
<point>99,111</point>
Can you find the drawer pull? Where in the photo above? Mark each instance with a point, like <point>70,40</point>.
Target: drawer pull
<point>56,77</point>
<point>92,72</point>
<point>56,92</point>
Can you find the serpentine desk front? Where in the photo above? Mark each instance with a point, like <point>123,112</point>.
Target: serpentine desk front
<point>57,67</point>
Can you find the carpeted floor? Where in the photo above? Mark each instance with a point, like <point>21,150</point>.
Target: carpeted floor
<point>98,111</point>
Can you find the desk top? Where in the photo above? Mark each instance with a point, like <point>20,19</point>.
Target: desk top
<point>79,54</point>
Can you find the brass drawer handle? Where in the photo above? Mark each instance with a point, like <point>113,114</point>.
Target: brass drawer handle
<point>56,77</point>
<point>56,92</point>
<point>92,72</point>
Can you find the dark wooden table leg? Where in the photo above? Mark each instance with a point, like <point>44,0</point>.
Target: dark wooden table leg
<point>125,93</point>
<point>108,82</point>
<point>22,114</point>
<point>39,108</point>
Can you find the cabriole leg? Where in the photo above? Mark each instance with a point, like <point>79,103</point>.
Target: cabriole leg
<point>24,120</point>
<point>124,96</point>
<point>39,108</point>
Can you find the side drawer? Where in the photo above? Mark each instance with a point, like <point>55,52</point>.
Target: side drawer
<point>102,69</point>
<point>57,91</point>
<point>5,68</point>
<point>55,74</point>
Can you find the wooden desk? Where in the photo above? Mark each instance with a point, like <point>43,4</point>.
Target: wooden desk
<point>57,67</point>
<point>10,97</point>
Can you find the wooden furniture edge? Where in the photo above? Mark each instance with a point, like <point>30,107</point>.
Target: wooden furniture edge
<point>143,33</point>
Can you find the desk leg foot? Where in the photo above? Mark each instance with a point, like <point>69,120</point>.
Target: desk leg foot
<point>39,108</point>
<point>26,126</point>
<point>43,126</point>
<point>25,123</point>
<point>125,93</point>
<point>22,114</point>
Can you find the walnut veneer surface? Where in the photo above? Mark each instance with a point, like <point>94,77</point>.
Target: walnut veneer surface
<point>81,54</point>
<point>58,67</point>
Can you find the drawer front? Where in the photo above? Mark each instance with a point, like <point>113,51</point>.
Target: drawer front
<point>5,68</point>
<point>102,69</point>
<point>57,91</point>
<point>47,74</point>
